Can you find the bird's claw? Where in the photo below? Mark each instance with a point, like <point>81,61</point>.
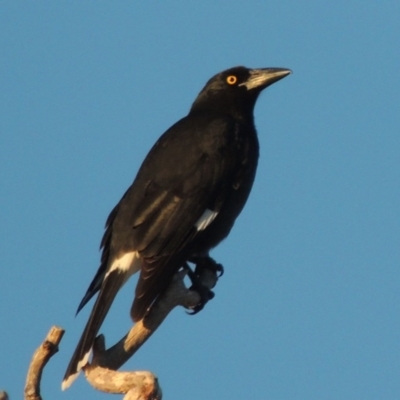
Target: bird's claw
<point>205,293</point>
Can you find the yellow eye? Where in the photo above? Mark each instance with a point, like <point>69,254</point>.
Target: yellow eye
<point>231,79</point>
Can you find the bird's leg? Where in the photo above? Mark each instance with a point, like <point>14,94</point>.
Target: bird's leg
<point>202,263</point>
<point>204,292</point>
<point>206,262</point>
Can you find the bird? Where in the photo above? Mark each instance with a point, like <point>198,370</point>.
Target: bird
<point>184,200</point>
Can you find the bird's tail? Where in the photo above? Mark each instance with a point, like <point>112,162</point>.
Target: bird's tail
<point>111,284</point>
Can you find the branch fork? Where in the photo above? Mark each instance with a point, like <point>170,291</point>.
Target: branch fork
<point>102,372</point>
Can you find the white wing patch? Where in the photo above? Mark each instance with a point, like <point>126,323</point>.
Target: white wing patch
<point>128,264</point>
<point>207,217</point>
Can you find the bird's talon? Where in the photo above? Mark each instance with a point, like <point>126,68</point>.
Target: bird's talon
<point>219,269</point>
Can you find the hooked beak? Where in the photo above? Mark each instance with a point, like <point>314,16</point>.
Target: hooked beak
<point>263,77</point>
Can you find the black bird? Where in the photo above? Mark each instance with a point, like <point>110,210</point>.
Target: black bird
<point>184,200</point>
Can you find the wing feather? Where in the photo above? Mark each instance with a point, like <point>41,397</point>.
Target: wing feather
<point>187,172</point>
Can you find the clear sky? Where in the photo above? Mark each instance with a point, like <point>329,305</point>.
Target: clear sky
<point>309,306</point>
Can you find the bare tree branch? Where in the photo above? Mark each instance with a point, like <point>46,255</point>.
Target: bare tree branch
<point>136,385</point>
<point>101,372</point>
<point>39,360</point>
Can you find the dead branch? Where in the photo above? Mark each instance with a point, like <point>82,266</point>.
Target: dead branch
<point>39,360</point>
<point>102,374</point>
<point>136,385</point>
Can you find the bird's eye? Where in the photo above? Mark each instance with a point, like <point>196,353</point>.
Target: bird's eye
<point>231,79</point>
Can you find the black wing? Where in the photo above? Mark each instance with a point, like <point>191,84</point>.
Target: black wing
<point>188,171</point>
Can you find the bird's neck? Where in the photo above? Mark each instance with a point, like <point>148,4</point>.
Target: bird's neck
<point>239,111</point>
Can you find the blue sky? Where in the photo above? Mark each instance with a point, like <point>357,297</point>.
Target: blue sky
<point>309,304</point>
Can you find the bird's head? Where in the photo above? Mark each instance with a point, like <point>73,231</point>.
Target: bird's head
<point>236,89</point>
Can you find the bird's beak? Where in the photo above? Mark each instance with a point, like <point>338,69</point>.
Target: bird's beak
<point>263,77</point>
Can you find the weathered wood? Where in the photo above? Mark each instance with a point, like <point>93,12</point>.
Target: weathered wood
<point>39,360</point>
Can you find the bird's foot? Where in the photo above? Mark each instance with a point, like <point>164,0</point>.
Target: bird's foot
<point>204,265</point>
<point>205,293</point>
